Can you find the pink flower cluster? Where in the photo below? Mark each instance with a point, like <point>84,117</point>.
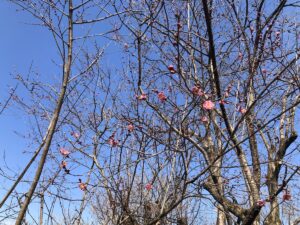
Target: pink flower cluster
<point>64,152</point>
<point>111,141</point>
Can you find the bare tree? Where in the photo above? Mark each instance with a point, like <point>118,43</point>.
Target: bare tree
<point>199,111</point>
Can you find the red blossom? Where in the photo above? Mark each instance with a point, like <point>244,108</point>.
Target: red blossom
<point>261,202</point>
<point>162,97</point>
<point>171,69</point>
<point>208,105</point>
<point>286,196</point>
<point>113,142</point>
<point>148,187</point>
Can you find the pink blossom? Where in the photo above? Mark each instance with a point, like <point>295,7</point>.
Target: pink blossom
<point>223,102</point>
<point>82,185</point>
<point>261,202</point>
<point>126,46</point>
<point>142,97</point>
<point>148,187</point>
<point>240,56</point>
<point>162,97</point>
<point>204,119</point>
<point>75,135</point>
<point>130,127</point>
<point>208,105</point>
<point>264,71</point>
<point>171,69</point>
<point>197,91</point>
<point>242,110</point>
<point>64,152</point>
<point>63,164</point>
<point>113,142</point>
<point>286,196</point>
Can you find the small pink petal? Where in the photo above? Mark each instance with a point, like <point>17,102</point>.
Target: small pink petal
<point>261,202</point>
<point>113,142</point>
<point>204,119</point>
<point>286,196</point>
<point>197,91</point>
<point>130,127</point>
<point>142,97</point>
<point>82,186</point>
<point>242,110</point>
<point>148,187</point>
<point>75,135</point>
<point>64,152</point>
<point>240,56</point>
<point>63,164</point>
<point>208,105</point>
<point>162,97</point>
<point>223,102</point>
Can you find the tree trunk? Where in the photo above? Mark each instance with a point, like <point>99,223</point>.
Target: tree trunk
<point>274,216</point>
<point>54,120</point>
<point>221,218</point>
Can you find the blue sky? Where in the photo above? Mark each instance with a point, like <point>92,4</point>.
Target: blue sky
<point>21,45</point>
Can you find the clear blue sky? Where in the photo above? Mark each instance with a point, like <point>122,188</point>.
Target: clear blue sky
<point>20,45</point>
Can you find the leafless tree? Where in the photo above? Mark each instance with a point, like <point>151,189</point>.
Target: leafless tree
<point>197,111</point>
